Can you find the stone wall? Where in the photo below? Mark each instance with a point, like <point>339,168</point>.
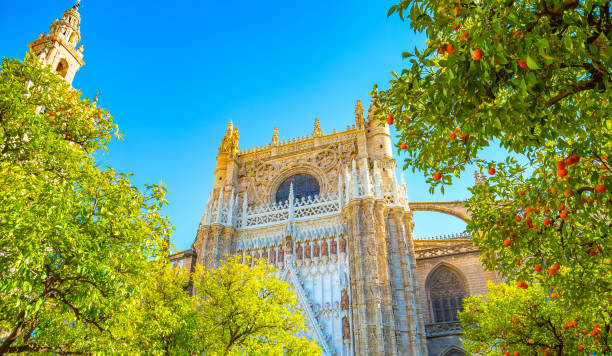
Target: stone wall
<point>462,258</point>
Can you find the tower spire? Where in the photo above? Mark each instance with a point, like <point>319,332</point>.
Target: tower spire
<point>57,49</point>
<point>229,143</point>
<point>373,104</point>
<point>359,119</point>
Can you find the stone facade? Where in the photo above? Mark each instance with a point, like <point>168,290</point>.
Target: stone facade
<point>347,247</point>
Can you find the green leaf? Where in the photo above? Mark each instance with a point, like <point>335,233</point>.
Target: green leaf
<point>531,63</point>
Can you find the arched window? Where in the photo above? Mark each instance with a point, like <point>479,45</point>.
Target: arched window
<point>62,68</point>
<point>446,293</point>
<point>454,351</point>
<point>304,185</point>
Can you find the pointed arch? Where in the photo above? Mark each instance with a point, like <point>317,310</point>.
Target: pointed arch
<point>453,351</point>
<point>446,287</point>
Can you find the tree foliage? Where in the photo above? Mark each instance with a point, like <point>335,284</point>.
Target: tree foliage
<point>512,319</point>
<point>236,310</point>
<point>74,238</point>
<point>83,265</point>
<point>530,79</point>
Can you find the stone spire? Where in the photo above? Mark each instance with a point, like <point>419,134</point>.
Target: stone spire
<point>275,140</point>
<point>317,128</point>
<point>373,104</point>
<point>359,119</point>
<point>229,143</point>
<point>58,48</point>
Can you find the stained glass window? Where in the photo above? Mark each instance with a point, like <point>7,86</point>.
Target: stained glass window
<point>304,185</point>
<point>446,292</point>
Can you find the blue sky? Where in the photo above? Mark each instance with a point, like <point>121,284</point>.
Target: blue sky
<point>174,73</point>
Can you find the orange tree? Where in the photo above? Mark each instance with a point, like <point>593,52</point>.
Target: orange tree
<point>532,78</point>
<point>75,239</point>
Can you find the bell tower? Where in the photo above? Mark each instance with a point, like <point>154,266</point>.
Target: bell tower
<point>58,48</point>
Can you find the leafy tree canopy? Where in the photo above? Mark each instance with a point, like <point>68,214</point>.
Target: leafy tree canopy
<point>532,77</point>
<point>527,321</point>
<point>83,265</point>
<point>75,238</point>
<point>236,310</point>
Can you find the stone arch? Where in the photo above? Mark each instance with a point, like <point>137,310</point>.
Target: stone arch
<point>62,67</point>
<point>454,208</point>
<point>453,350</point>
<point>301,168</point>
<point>442,306</point>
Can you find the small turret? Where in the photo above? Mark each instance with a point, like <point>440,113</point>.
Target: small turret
<point>377,132</point>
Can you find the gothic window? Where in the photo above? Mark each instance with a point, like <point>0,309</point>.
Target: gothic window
<point>454,352</point>
<point>304,185</point>
<point>446,293</point>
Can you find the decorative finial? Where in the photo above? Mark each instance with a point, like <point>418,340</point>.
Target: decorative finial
<point>359,119</point>
<point>317,128</point>
<point>275,140</point>
<point>78,3</point>
<point>229,144</point>
<point>373,104</point>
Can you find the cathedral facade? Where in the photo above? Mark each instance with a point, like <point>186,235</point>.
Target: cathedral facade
<point>329,212</point>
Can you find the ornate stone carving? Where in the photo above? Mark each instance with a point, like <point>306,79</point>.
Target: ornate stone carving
<point>229,144</point>
<point>443,329</point>
<point>359,119</point>
<point>324,248</point>
<point>342,245</point>
<point>344,300</point>
<point>454,249</point>
<point>317,128</point>
<point>346,328</point>
<point>326,159</point>
<point>333,247</point>
<point>275,137</point>
<point>315,250</point>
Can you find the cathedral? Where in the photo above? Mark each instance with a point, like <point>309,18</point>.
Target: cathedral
<point>329,212</point>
